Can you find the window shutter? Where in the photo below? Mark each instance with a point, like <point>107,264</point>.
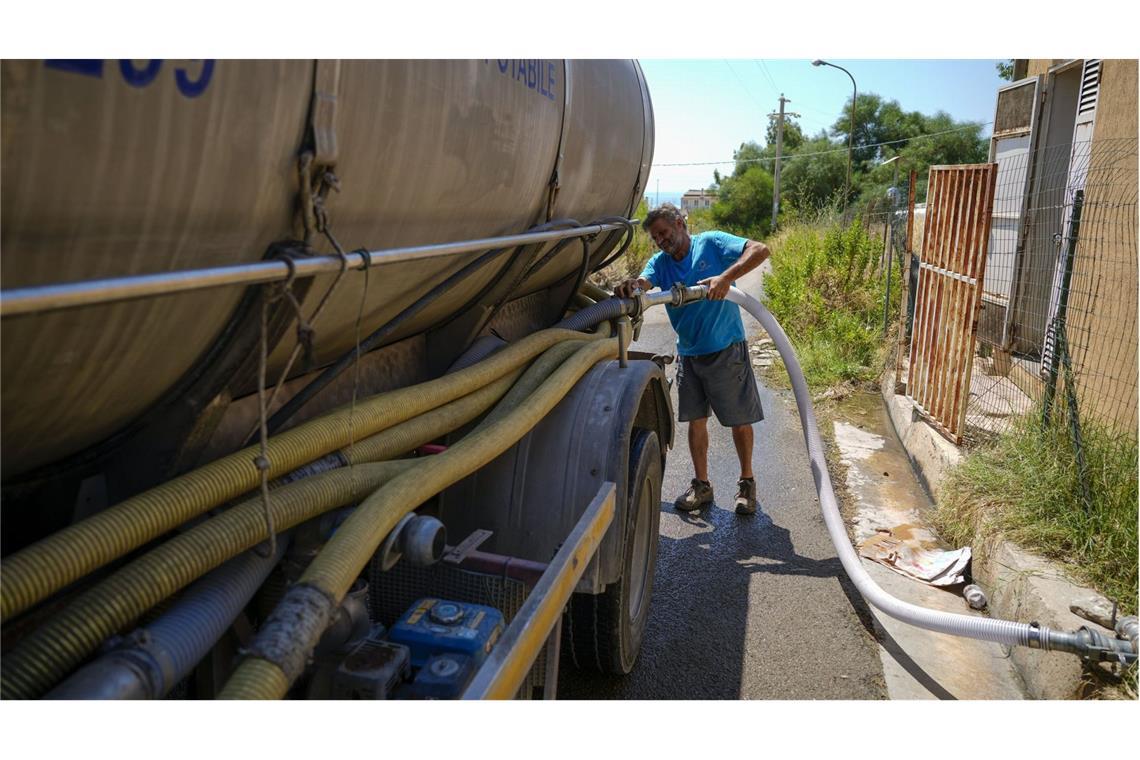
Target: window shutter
<point>1090,89</point>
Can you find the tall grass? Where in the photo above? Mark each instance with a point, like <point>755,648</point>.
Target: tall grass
<point>826,290</point>
<point>1026,486</point>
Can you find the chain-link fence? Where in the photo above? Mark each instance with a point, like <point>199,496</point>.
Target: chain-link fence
<point>1057,328</point>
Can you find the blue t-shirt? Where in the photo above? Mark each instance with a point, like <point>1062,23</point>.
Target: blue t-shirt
<point>705,326</point>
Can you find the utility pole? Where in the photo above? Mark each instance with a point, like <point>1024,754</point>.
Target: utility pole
<point>779,152</point>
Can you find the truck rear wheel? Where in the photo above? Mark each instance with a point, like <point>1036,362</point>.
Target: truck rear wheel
<point>604,631</point>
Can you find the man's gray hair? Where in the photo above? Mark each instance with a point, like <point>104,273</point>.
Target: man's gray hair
<point>666,211</point>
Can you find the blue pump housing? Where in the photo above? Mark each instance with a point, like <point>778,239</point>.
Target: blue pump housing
<point>435,626</point>
<point>444,676</point>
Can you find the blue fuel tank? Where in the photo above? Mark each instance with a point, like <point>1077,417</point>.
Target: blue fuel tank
<point>435,626</point>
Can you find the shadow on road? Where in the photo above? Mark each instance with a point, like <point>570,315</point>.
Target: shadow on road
<point>713,629</point>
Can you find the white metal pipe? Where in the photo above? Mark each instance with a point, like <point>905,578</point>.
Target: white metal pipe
<point>43,298</point>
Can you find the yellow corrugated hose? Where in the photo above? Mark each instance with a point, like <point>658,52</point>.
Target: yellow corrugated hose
<point>535,375</point>
<point>50,652</point>
<point>33,574</point>
<point>417,431</point>
<point>346,554</point>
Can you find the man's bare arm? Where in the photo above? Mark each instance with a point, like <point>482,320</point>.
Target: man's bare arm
<point>755,253</point>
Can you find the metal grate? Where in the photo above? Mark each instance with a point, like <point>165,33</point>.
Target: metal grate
<point>394,591</point>
<point>958,211</point>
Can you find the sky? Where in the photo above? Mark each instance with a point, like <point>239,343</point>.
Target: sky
<point>704,109</point>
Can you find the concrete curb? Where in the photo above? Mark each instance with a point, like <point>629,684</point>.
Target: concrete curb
<point>1021,586</point>
<point>931,455</point>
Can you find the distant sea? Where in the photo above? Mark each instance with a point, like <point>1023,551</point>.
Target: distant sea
<point>654,199</point>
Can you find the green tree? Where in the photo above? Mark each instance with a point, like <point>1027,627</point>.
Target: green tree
<point>866,128</point>
<point>793,135</point>
<point>813,176</point>
<point>877,121</point>
<point>1005,69</point>
<point>749,154</point>
<point>744,202</point>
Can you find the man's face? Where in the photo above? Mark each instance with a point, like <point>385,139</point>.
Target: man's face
<point>670,237</point>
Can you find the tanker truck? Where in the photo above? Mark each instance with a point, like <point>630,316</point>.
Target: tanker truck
<point>305,390</point>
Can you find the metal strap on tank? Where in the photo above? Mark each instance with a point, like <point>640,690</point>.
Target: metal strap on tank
<point>317,162</point>
<point>322,115</point>
<point>555,176</point>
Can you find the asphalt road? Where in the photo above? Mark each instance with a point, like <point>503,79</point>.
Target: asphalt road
<point>745,607</point>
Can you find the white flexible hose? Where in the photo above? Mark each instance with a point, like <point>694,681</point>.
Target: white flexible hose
<point>987,629</point>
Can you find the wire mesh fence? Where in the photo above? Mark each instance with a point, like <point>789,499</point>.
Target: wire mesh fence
<point>1057,331</point>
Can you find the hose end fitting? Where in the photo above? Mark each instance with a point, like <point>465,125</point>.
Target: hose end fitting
<point>1088,644</point>
<point>683,294</point>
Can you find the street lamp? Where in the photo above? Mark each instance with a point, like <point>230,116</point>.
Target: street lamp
<point>850,132</point>
<point>889,240</point>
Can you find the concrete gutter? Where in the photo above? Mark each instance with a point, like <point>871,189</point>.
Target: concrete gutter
<point>1020,586</point>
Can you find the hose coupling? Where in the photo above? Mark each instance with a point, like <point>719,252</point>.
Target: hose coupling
<point>683,294</point>
<point>129,669</point>
<point>421,538</point>
<point>1088,644</point>
<point>351,622</point>
<point>1128,628</point>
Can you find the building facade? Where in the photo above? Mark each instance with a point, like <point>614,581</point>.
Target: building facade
<point>1062,254</point>
<point>697,199</point>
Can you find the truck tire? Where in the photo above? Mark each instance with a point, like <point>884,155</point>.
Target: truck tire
<point>604,631</point>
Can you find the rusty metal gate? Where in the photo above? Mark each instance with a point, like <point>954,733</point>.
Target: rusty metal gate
<point>959,206</point>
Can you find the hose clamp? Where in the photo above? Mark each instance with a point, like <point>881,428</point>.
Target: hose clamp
<point>1034,636</point>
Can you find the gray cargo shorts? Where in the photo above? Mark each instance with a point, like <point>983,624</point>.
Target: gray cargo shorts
<point>722,380</point>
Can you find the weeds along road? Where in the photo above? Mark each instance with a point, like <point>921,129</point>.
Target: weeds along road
<point>745,607</point>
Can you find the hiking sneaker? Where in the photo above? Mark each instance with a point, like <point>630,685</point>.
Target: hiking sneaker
<point>746,497</point>
<point>699,495</point>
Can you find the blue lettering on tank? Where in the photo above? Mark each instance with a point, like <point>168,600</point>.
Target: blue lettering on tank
<point>86,67</point>
<point>537,75</point>
<point>136,77</point>
<point>194,88</point>
<point>190,88</point>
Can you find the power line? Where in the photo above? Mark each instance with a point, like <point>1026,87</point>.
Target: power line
<point>825,152</point>
<point>764,67</point>
<point>738,79</point>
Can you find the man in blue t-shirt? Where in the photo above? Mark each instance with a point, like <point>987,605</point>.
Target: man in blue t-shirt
<point>714,370</point>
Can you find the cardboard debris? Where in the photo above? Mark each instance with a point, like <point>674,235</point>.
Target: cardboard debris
<point>933,566</point>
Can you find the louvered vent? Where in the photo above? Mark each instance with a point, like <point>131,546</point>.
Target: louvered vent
<point>1090,86</point>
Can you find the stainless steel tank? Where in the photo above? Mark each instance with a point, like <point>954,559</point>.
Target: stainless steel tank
<point>112,168</point>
